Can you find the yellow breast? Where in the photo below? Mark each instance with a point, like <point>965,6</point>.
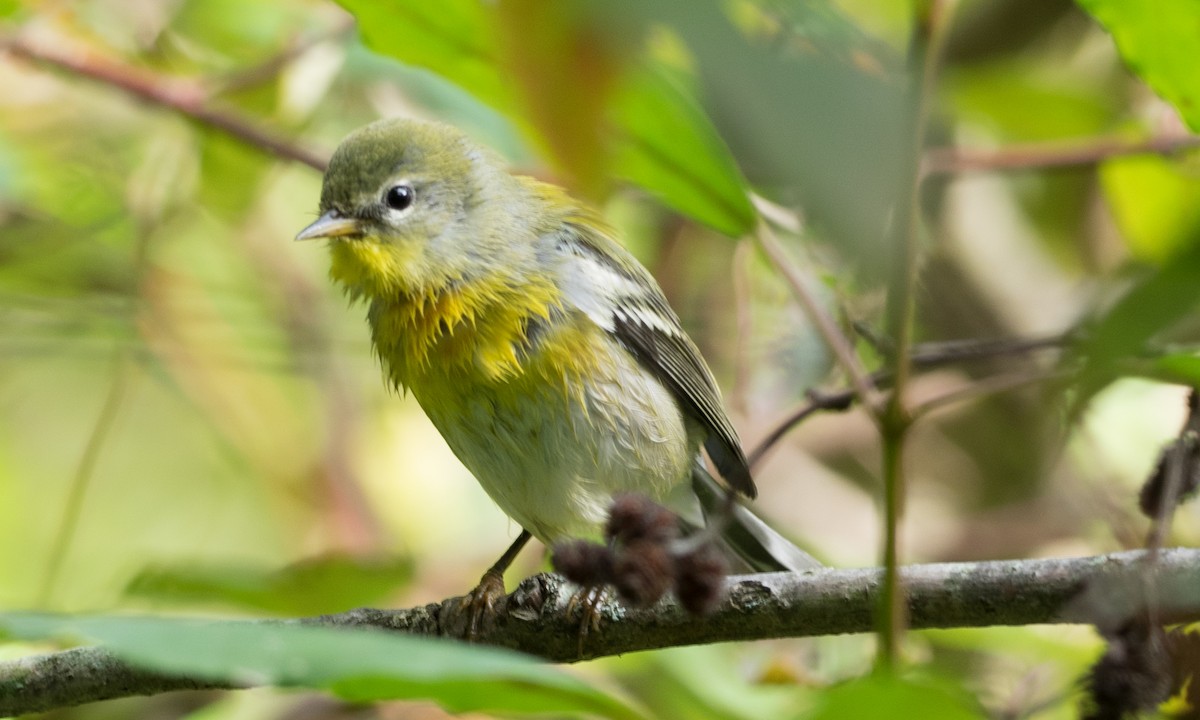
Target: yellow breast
<point>477,329</point>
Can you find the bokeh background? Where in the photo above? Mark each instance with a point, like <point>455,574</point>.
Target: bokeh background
<point>191,420</point>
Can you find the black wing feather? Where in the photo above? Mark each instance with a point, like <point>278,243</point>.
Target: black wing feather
<point>671,355</point>
<point>675,360</point>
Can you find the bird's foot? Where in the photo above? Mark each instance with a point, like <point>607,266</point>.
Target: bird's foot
<point>480,604</point>
<point>588,602</point>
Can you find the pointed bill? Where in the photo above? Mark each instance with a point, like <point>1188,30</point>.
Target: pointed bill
<point>330,225</point>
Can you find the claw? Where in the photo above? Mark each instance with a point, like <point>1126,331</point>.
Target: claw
<point>588,602</point>
<point>480,604</point>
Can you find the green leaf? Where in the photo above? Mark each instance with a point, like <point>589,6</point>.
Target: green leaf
<point>1152,305</point>
<point>9,8</point>
<point>1160,42</point>
<point>663,141</point>
<point>326,584</point>
<point>885,696</point>
<point>668,147</point>
<point>1156,302</point>
<point>1178,368</point>
<point>1156,203</point>
<point>999,96</point>
<point>356,664</point>
<point>827,133</point>
<point>450,37</point>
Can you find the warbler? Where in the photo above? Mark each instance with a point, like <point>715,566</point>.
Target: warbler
<point>542,351</point>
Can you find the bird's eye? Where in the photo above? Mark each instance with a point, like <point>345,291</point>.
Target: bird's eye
<point>399,197</point>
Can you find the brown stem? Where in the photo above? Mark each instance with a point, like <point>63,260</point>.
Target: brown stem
<point>183,96</point>
<point>1051,155</point>
<point>834,338</point>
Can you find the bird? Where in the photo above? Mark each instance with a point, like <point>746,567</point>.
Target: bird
<point>543,352</point>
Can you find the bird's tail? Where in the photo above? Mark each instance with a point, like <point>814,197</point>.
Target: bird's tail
<point>747,535</point>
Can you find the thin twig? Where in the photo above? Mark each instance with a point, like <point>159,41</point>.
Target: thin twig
<point>925,357</point>
<point>180,95</point>
<point>781,216</point>
<point>839,401</point>
<point>986,386</point>
<point>947,352</point>
<point>65,534</point>
<point>837,341</point>
<point>1050,155</point>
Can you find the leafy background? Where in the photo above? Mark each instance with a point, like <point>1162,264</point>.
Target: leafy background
<point>192,421</point>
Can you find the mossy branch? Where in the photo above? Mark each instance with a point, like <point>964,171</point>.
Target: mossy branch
<point>535,618</point>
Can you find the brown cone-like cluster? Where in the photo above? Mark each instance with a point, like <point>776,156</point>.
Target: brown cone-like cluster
<point>644,559</point>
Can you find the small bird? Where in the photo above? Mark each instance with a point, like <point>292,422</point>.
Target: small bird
<point>541,350</point>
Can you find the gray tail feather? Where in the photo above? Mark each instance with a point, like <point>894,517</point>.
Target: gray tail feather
<point>747,536</point>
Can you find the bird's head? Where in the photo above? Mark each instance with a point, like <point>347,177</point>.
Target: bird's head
<point>412,207</point>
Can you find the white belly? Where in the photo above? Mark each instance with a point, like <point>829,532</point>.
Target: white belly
<point>556,469</point>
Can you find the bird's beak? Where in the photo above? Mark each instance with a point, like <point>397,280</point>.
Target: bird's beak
<point>330,225</point>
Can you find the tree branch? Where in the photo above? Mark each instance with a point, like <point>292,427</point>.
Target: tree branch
<point>186,97</point>
<point>535,618</point>
<point>1050,155</point>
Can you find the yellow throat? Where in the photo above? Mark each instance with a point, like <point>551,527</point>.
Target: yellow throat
<point>460,327</point>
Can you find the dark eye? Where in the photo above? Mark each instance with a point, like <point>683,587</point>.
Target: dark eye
<point>399,197</point>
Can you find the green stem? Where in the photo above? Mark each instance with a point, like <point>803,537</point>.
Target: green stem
<point>896,420</point>
<point>892,616</point>
<point>65,534</point>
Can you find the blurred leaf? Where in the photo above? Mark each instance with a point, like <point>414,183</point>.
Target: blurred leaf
<point>223,157</point>
<point>999,96</point>
<point>1179,368</point>
<point>884,696</point>
<point>326,584</point>
<point>355,664</point>
<point>566,76</point>
<point>804,122</point>
<point>1020,98</point>
<point>1073,650</point>
<point>1160,43</point>
<point>1183,649</point>
<point>1155,303</point>
<point>452,38</point>
<point>661,139</point>
<point>820,27</point>
<point>230,30</point>
<point>670,148</point>
<point>705,681</point>
<point>984,31</point>
<point>1155,203</point>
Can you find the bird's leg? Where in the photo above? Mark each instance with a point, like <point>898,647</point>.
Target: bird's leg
<point>480,603</point>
